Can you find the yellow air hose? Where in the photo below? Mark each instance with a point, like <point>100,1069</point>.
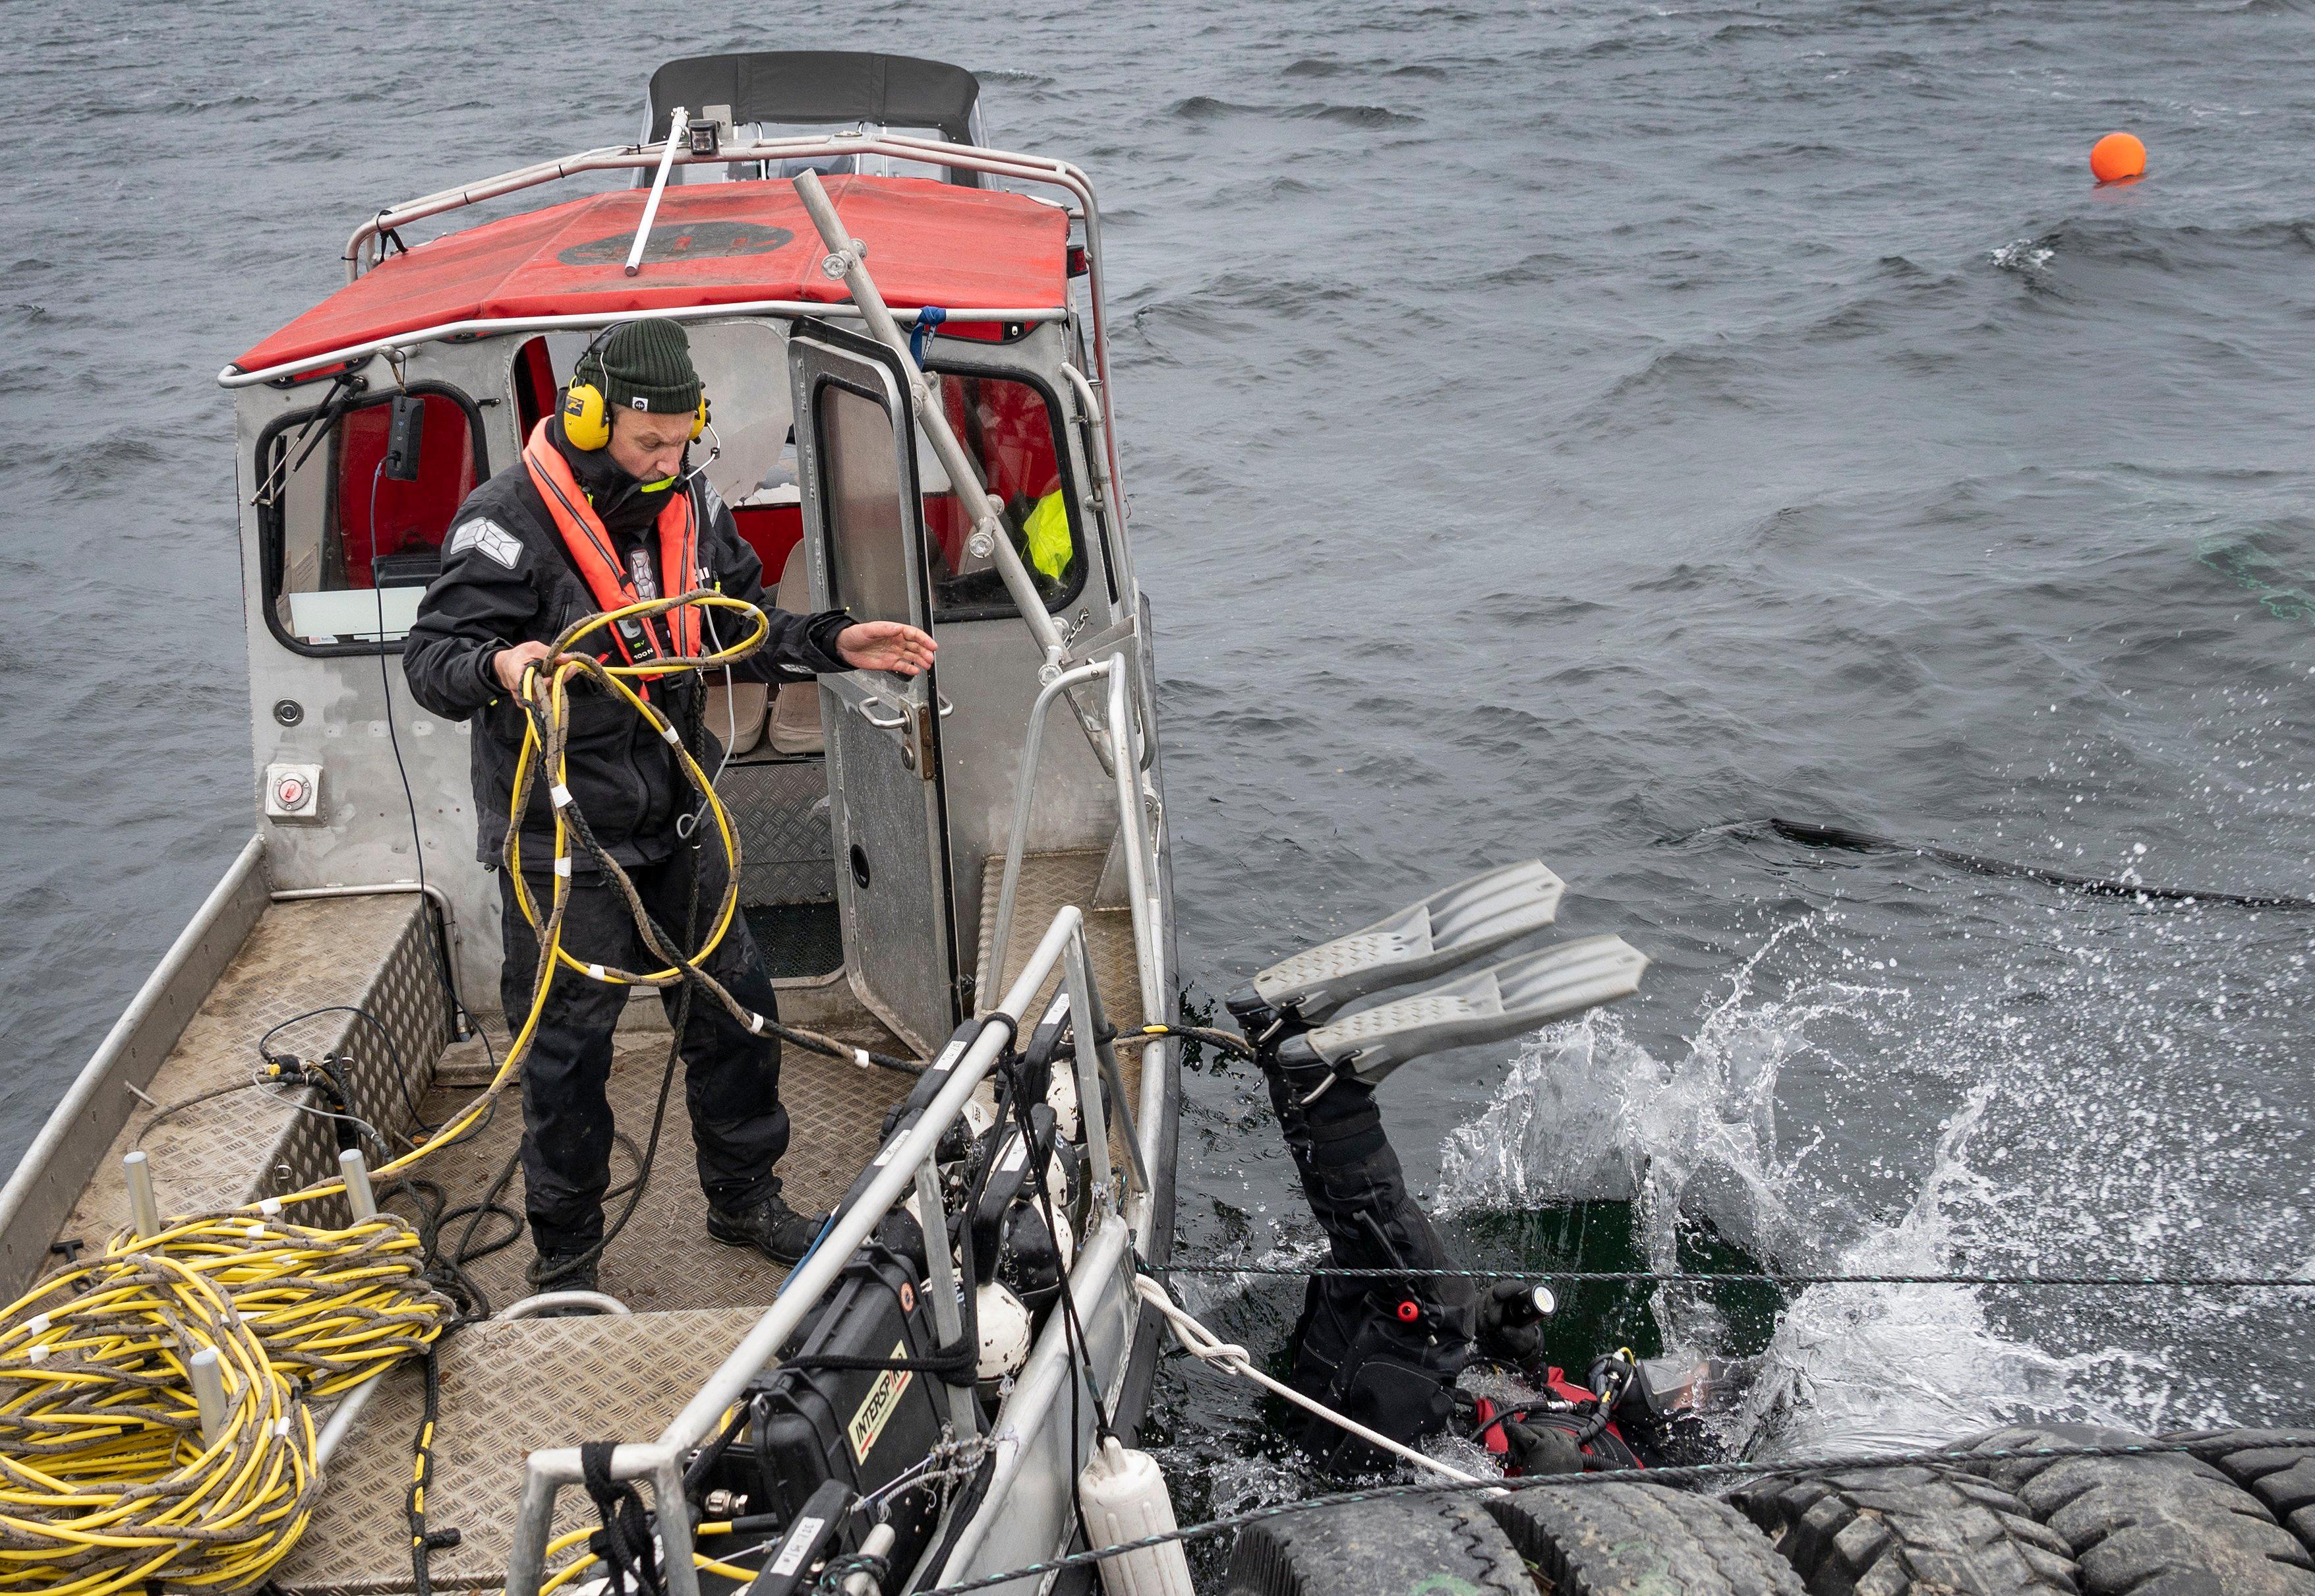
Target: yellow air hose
<point>107,1483</point>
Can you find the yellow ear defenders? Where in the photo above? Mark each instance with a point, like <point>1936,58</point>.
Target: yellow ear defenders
<point>586,417</point>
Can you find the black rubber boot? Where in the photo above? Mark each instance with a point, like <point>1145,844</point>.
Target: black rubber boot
<point>769,1226</point>
<point>553,1271</point>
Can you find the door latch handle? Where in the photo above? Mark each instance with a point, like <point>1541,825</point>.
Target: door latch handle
<point>946,708</point>
<point>869,716</point>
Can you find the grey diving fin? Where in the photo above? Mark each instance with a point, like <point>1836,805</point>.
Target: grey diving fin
<point>1452,925</point>
<point>1502,1000</point>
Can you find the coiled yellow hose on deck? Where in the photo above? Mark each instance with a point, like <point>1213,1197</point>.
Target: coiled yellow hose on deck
<point>106,1484</point>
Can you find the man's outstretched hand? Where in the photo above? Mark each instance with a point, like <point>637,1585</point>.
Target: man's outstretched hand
<point>885,645</point>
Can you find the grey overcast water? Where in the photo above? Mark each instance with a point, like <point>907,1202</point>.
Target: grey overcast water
<point>1556,430</point>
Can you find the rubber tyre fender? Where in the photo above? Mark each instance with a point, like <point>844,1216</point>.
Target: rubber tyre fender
<point>2165,1525</point>
<point>1405,1546</point>
<point>1640,1540</point>
<point>2282,1476</point>
<point>1900,1531</point>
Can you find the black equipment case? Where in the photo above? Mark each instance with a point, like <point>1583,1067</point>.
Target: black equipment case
<point>809,1422</point>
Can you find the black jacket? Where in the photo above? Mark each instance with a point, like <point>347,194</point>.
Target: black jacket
<point>506,580</point>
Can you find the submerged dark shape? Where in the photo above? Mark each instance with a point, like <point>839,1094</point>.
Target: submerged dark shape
<point>1811,835</point>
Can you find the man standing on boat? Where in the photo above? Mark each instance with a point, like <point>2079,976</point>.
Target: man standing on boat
<point>600,512</point>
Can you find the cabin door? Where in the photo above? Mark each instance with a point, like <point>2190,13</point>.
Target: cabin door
<point>864,536</point>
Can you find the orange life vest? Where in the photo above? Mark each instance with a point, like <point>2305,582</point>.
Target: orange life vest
<point>612,585</point>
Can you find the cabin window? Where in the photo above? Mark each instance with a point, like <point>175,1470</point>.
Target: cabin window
<point>867,551</point>
<point>1011,435</point>
<point>346,549</point>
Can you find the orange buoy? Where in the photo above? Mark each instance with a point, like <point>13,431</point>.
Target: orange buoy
<point>2115,157</point>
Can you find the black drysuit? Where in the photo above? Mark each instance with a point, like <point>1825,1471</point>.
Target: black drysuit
<point>506,580</point>
<point>1384,1352</point>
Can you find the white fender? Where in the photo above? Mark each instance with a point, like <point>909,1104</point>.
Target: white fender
<point>1124,1496</point>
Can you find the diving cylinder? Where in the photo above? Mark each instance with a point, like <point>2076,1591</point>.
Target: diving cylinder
<point>1124,1498</point>
<point>1061,1097</point>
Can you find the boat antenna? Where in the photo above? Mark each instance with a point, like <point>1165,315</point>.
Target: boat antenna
<point>678,122</point>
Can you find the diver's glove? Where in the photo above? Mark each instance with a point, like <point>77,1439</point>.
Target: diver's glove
<point>1541,1449</point>
<point>1511,1322</point>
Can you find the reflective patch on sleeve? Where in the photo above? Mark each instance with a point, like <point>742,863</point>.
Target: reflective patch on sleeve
<point>487,537</point>
<point>710,499</point>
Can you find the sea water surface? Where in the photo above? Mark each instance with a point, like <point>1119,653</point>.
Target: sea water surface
<point>1558,429</point>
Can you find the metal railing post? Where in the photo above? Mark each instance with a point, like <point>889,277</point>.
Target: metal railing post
<point>674,1527</point>
<point>533,1518</point>
<point>1096,1023</point>
<point>1079,980</point>
<point>948,1318</point>
<point>1137,847</point>
<point>1025,794</point>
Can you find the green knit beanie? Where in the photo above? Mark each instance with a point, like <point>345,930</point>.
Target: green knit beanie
<point>646,365</point>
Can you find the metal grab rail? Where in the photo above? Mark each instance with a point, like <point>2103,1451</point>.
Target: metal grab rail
<point>233,377</point>
<point>547,1470</point>
<point>1140,856</point>
<point>1025,794</point>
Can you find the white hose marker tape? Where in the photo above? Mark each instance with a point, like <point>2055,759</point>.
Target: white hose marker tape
<point>38,1325</point>
<point>561,794</point>
<point>256,1230</point>
<point>563,866</point>
<point>38,1353</point>
<point>596,970</point>
<point>268,1206</point>
<point>860,1056</point>
<point>281,1426</point>
<point>755,1024</point>
<point>674,737</point>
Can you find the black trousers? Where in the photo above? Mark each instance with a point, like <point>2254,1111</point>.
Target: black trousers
<point>1384,1352</point>
<point>731,1079</point>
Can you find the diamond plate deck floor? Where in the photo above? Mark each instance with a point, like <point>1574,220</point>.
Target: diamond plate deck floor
<point>664,1259</point>
<point>244,1144</point>
<point>507,1388</point>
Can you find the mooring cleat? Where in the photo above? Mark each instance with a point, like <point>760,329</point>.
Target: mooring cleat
<point>1450,927</point>
<point>1502,1000</point>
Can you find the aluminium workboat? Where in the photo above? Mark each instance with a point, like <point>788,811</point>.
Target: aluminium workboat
<point>919,857</point>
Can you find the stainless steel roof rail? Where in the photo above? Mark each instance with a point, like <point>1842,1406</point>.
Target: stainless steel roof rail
<point>362,247</point>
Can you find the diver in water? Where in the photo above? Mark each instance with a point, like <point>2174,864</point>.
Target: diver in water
<point>1388,1352</point>
<point>1391,1351</point>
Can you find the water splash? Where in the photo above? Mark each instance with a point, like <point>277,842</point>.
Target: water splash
<point>1587,1113</point>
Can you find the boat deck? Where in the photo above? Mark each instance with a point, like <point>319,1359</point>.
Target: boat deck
<point>509,1386</point>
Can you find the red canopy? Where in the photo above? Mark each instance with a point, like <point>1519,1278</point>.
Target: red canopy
<point>713,243</point>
